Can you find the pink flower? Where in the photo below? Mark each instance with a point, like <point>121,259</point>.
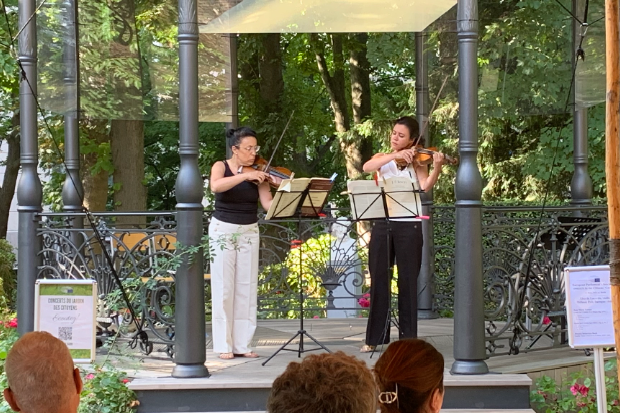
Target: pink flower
<point>12,323</point>
<point>89,376</point>
<point>125,381</point>
<point>363,302</point>
<point>322,215</point>
<point>316,316</point>
<point>546,320</point>
<point>579,389</point>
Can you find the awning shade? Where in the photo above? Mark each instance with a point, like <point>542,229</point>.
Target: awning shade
<point>320,16</point>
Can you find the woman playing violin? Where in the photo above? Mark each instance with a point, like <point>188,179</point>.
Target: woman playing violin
<point>405,238</point>
<point>234,237</point>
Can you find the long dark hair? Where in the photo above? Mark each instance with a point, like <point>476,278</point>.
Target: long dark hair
<point>413,126</point>
<point>235,136</point>
<point>413,369</point>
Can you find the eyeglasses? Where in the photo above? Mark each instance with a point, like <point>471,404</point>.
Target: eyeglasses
<point>254,149</point>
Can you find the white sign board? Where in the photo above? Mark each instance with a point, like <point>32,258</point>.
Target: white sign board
<point>66,309</point>
<point>588,307</point>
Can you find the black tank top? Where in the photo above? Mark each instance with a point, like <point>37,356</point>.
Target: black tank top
<point>238,205</point>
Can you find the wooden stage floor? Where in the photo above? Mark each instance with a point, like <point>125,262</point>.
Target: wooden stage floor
<point>337,334</point>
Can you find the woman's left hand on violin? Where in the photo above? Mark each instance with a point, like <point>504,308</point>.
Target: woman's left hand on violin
<point>439,159</point>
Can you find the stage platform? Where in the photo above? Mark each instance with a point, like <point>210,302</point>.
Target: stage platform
<point>243,384</point>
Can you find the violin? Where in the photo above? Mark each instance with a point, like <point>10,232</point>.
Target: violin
<point>424,156</point>
<point>276,173</point>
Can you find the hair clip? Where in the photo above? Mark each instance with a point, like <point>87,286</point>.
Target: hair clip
<point>387,397</point>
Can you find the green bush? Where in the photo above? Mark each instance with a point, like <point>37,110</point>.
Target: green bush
<point>576,393</point>
<point>8,281</point>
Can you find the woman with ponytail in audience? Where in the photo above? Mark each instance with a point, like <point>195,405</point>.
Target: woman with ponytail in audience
<point>409,375</point>
<point>234,238</point>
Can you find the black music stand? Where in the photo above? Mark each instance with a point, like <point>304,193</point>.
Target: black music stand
<point>372,202</point>
<point>300,204</point>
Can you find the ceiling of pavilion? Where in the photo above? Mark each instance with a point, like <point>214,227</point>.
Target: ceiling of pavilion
<point>320,16</point>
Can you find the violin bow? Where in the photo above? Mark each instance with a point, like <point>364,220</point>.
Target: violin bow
<point>279,140</point>
<point>431,112</point>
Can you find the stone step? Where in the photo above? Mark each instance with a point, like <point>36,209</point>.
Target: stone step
<point>221,393</point>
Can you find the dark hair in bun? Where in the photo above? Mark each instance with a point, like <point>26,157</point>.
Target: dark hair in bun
<point>413,126</point>
<point>235,136</point>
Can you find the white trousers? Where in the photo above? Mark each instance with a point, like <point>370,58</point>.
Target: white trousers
<point>234,285</point>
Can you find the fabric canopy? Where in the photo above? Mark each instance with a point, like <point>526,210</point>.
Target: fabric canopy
<point>320,16</point>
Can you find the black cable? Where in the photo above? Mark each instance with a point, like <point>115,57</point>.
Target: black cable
<point>140,334</point>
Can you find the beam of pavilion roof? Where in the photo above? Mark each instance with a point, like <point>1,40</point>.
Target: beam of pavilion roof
<point>320,16</point>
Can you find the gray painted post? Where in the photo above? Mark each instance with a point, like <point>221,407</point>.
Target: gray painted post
<point>469,342</point>
<point>190,343</point>
<point>29,193</point>
<point>72,190</point>
<point>581,183</point>
<point>426,284</point>
<point>234,89</point>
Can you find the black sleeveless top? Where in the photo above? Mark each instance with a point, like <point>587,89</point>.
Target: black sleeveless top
<point>238,205</point>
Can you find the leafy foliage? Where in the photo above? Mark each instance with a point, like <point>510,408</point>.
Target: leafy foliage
<point>576,393</point>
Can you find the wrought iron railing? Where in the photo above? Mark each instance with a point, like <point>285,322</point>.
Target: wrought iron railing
<point>329,268</point>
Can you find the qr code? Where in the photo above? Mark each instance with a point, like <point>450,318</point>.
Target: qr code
<point>65,333</point>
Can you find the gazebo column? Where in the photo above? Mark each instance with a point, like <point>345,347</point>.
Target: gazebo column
<point>233,88</point>
<point>581,183</point>
<point>29,193</point>
<point>72,191</point>
<point>190,343</point>
<point>469,341</point>
<point>426,283</point>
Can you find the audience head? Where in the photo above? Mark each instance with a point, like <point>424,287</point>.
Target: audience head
<point>325,383</point>
<point>42,377</point>
<point>409,375</point>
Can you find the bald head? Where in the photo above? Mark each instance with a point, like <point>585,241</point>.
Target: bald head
<point>41,375</point>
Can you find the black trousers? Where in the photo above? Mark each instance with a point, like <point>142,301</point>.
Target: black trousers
<point>405,244</point>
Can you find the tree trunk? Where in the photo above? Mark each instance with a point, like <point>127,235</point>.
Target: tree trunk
<point>95,179</point>
<point>360,90</point>
<point>360,102</point>
<point>335,85</point>
<point>10,175</point>
<point>271,84</point>
<point>127,134</point>
<point>612,160</point>
<point>127,146</point>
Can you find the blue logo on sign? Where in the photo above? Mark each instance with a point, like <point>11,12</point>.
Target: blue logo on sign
<point>597,280</point>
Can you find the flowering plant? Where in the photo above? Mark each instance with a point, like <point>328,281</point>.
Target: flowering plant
<point>576,393</point>
<point>106,391</point>
<point>364,301</point>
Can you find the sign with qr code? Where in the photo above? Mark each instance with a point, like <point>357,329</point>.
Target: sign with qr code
<point>66,309</point>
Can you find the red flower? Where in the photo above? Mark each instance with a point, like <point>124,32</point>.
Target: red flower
<point>316,316</point>
<point>296,243</point>
<point>546,320</point>
<point>322,215</point>
<point>12,323</point>
<point>579,389</point>
<point>125,381</point>
<point>364,302</point>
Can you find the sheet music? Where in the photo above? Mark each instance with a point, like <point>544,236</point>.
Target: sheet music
<point>288,195</point>
<point>400,194</point>
<point>284,202</point>
<point>402,200</point>
<point>366,202</point>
